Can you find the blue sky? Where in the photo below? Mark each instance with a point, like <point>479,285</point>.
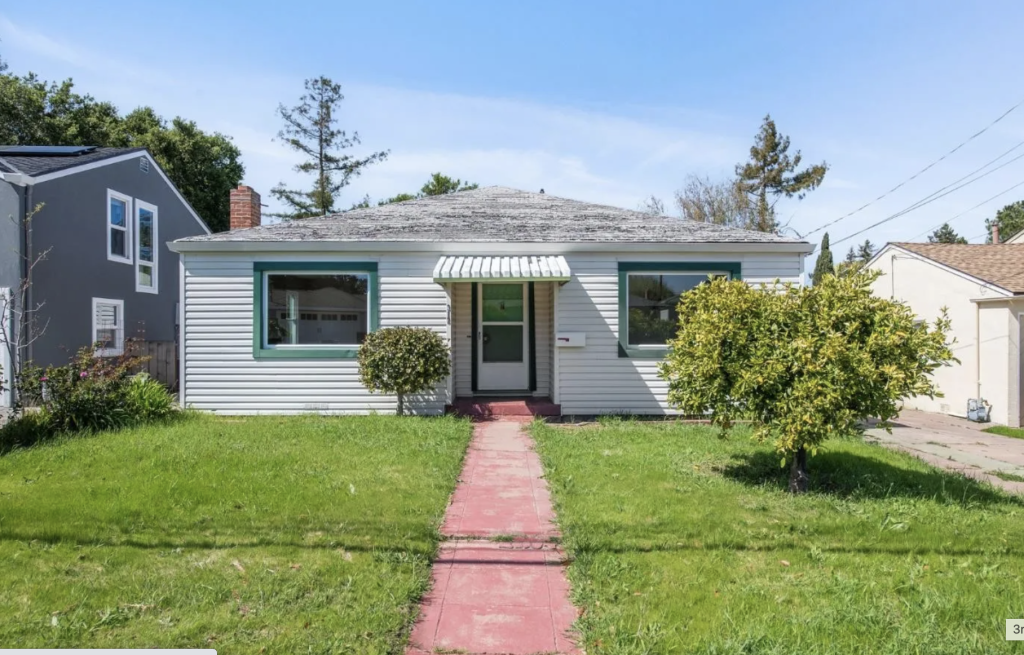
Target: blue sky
<point>601,101</point>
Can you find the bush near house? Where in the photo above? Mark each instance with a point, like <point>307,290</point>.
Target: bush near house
<point>804,364</point>
<point>88,394</point>
<point>403,360</point>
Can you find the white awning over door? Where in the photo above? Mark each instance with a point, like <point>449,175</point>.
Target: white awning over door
<point>541,268</point>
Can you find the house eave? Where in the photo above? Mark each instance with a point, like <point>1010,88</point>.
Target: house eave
<point>482,247</point>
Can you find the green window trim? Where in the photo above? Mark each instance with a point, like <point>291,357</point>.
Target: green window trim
<point>259,271</point>
<point>734,269</point>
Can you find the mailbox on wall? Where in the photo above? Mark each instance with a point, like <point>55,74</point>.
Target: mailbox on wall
<point>571,339</point>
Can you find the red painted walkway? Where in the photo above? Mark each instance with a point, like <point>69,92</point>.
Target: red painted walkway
<point>498,597</point>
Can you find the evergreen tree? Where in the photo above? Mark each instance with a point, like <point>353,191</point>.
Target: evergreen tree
<point>945,234</point>
<point>866,251</point>
<point>771,174</point>
<point>310,128</point>
<point>824,264</point>
<point>1010,220</point>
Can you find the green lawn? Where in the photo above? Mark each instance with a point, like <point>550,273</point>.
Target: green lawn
<point>248,535</point>
<point>1003,431</point>
<point>683,542</point>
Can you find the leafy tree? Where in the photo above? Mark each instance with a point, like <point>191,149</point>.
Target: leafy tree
<point>403,360</point>
<point>203,166</point>
<point>824,265</point>
<point>652,205</point>
<point>771,173</point>
<point>1010,220</point>
<point>401,197</point>
<point>945,234</point>
<point>36,112</point>
<point>310,129</point>
<point>437,185</point>
<point>803,364</point>
<point>721,203</point>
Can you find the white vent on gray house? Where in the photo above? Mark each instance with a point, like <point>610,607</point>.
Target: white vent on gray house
<point>144,164</point>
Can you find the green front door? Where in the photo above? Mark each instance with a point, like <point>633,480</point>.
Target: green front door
<point>503,360</point>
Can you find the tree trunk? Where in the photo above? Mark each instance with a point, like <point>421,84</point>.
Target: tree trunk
<point>401,404</point>
<point>798,472</point>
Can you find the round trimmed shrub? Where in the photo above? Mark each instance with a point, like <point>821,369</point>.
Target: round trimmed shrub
<point>403,360</point>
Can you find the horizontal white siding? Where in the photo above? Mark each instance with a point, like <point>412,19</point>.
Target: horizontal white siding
<point>221,374</point>
<point>594,379</point>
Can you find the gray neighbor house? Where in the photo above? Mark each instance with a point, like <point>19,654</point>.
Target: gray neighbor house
<point>105,216</point>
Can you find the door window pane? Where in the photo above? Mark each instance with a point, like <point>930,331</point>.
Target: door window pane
<point>503,343</point>
<point>295,303</point>
<point>502,302</point>
<point>653,301</point>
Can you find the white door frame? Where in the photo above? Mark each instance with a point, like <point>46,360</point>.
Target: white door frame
<point>503,376</point>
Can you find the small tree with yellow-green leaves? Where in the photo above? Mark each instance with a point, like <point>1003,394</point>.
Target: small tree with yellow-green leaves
<point>403,360</point>
<point>802,364</point>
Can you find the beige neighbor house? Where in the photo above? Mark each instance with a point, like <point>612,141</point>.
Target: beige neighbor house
<point>544,299</point>
<point>982,287</point>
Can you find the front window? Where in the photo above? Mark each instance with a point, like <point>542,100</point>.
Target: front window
<point>653,305</point>
<point>316,309</point>
<point>119,211</point>
<point>146,247</point>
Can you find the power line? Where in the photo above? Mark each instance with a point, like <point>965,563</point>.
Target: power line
<point>923,170</point>
<point>898,214</point>
<point>1003,165</point>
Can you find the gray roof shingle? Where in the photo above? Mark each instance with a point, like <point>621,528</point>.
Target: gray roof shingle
<point>495,214</point>
<point>33,165</point>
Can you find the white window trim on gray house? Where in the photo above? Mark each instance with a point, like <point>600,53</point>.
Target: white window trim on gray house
<point>126,228</point>
<point>118,307</point>
<point>140,206</point>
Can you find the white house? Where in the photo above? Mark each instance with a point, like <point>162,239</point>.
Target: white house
<point>982,288</point>
<point>539,297</point>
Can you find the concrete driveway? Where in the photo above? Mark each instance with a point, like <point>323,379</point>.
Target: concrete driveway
<point>957,445</point>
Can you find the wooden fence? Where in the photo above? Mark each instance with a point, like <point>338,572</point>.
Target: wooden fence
<point>163,360</point>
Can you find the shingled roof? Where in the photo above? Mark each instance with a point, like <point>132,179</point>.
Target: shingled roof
<point>35,165</point>
<point>495,215</point>
<point>1001,265</point>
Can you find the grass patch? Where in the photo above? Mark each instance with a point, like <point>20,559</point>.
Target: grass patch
<point>683,542</point>
<point>1003,431</point>
<point>248,535</point>
<point>1009,477</point>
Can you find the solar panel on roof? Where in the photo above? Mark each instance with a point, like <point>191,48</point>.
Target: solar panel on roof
<point>45,151</point>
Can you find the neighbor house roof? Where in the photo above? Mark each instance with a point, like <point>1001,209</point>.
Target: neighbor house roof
<point>495,215</point>
<point>1001,265</point>
<point>35,165</point>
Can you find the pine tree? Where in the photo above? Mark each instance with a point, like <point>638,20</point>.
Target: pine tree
<point>945,234</point>
<point>824,264</point>
<point>771,173</point>
<point>310,128</point>
<point>866,251</point>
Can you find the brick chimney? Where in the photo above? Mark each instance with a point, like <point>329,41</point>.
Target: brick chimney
<point>245,208</point>
<point>995,232</point>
